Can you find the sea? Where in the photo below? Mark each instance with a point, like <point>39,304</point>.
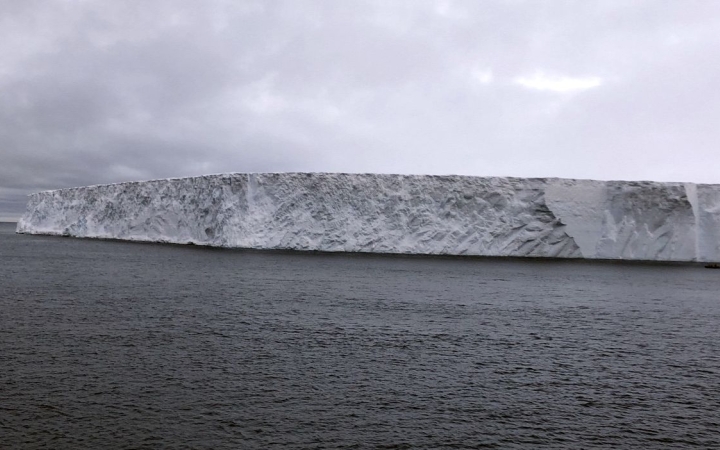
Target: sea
<point>120,345</point>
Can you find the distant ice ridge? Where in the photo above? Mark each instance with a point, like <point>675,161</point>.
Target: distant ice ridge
<point>411,214</point>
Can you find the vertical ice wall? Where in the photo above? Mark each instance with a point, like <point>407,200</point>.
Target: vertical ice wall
<point>708,222</point>
<point>396,214</point>
<point>627,219</point>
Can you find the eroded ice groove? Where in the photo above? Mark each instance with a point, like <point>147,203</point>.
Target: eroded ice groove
<point>396,214</point>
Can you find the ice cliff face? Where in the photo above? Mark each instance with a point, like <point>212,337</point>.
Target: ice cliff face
<point>396,214</point>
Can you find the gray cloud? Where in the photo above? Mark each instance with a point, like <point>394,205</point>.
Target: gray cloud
<point>96,92</point>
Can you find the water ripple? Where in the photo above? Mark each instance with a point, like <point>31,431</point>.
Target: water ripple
<point>120,345</point>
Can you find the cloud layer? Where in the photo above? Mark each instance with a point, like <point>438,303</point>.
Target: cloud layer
<point>96,92</point>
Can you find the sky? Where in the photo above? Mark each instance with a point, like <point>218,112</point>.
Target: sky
<point>95,92</point>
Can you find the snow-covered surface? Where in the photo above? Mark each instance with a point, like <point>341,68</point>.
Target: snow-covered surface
<point>414,214</point>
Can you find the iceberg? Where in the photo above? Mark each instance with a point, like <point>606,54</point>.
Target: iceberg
<point>406,214</point>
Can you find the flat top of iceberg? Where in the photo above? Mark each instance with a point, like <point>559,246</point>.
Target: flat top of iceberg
<point>368,174</point>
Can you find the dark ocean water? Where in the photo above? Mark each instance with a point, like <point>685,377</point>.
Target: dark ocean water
<point>120,345</point>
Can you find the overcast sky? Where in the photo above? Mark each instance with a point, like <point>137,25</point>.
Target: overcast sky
<point>106,91</point>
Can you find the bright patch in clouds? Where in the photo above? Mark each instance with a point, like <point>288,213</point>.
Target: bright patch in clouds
<point>482,76</point>
<point>544,82</point>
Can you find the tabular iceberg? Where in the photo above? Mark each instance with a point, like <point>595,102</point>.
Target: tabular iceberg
<point>411,214</point>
